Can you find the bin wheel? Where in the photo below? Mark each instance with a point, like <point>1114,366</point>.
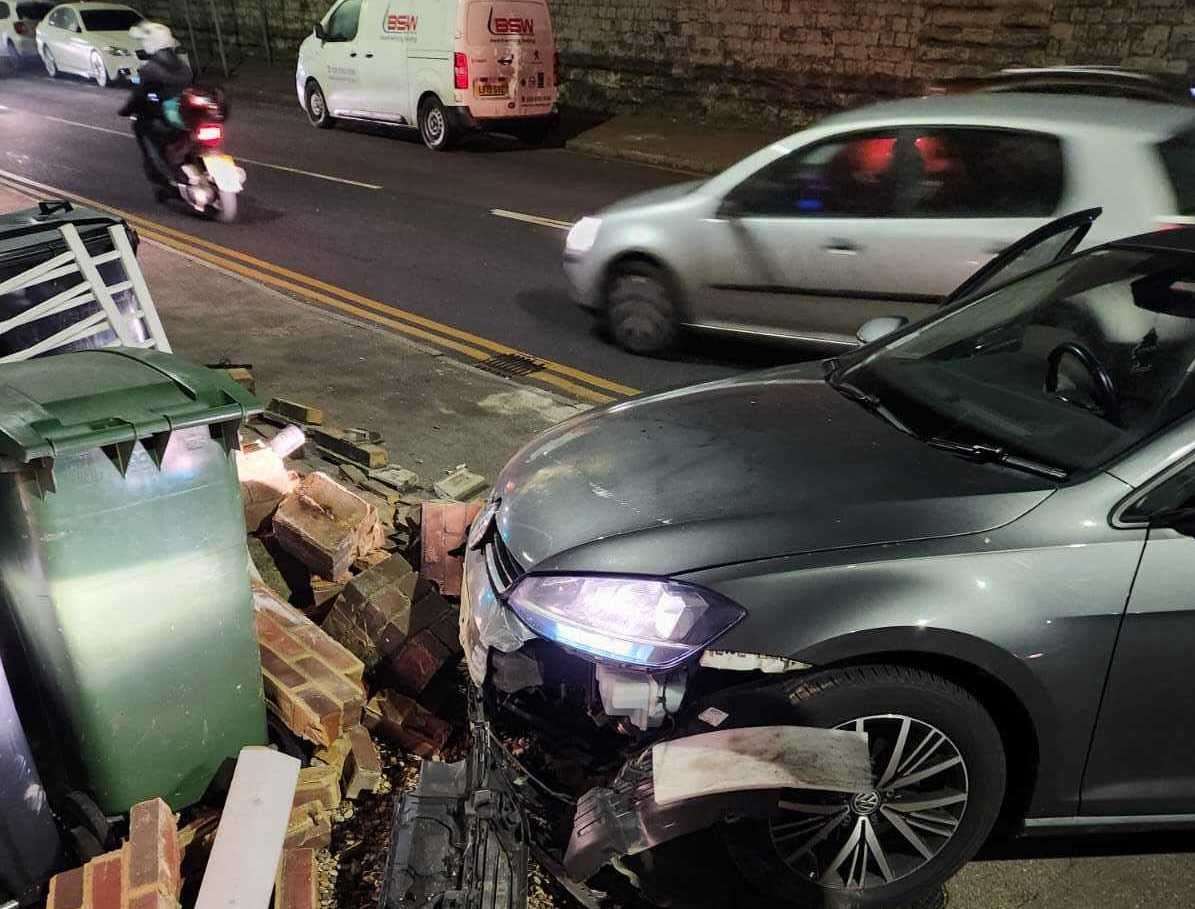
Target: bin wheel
<point>80,813</point>
<point>86,845</point>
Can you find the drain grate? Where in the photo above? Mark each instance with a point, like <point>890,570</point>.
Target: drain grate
<point>511,365</point>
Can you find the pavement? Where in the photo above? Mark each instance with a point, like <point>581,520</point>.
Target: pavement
<point>436,413</point>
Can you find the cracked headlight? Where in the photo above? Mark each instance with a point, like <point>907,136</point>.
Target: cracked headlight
<point>582,235</point>
<point>118,51</point>
<point>655,624</point>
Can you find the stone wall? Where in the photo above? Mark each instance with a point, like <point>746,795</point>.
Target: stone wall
<point>776,60</point>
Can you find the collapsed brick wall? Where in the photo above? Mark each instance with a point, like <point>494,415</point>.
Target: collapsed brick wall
<point>775,61</point>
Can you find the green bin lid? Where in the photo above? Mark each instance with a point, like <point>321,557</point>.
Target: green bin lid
<point>73,402</point>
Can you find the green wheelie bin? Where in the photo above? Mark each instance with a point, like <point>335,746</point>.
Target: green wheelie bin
<point>123,581</point>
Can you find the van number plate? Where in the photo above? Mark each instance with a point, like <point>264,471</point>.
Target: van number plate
<point>492,89</point>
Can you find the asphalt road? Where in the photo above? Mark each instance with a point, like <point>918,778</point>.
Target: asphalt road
<point>414,229</point>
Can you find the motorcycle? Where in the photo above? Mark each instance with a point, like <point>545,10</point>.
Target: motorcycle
<point>211,179</point>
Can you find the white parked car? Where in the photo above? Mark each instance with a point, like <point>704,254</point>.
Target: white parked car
<point>879,212</point>
<point>445,66</point>
<point>18,25</point>
<point>90,40</point>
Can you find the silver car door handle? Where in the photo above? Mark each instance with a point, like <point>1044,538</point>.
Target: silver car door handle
<point>842,247</point>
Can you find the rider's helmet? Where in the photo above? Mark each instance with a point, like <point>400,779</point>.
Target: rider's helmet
<point>152,37</point>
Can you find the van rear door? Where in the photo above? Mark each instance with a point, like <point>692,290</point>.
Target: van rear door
<point>512,53</point>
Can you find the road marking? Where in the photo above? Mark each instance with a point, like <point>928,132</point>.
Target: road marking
<point>531,219</point>
<point>282,167</point>
<point>587,386</point>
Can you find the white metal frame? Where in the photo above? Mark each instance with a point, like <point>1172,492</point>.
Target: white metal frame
<point>141,329</point>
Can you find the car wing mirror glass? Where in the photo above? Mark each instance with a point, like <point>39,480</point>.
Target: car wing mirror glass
<point>731,207</point>
<point>1181,519</point>
<point>874,329</point>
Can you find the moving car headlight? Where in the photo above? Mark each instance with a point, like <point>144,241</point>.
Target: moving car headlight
<point>118,51</point>
<point>583,235</point>
<point>644,622</point>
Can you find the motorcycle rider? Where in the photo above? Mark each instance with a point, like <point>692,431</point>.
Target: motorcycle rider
<point>161,80</point>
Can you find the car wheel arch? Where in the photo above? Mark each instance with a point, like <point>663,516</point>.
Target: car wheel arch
<point>1017,701</point>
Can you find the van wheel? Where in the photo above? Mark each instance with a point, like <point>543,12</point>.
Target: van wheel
<point>317,107</point>
<point>640,310</point>
<point>435,129</point>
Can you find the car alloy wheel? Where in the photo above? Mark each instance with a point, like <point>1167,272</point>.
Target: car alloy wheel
<point>877,837</point>
<point>99,72</point>
<point>47,57</point>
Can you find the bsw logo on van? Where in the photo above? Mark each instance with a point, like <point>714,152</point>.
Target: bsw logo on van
<point>510,25</point>
<point>401,22</point>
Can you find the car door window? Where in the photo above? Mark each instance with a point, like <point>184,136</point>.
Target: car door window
<point>983,173</point>
<point>70,21</point>
<point>55,18</point>
<point>4,11</point>
<point>851,176</point>
<point>343,24</point>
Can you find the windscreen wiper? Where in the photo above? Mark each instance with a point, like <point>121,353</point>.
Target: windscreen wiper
<point>994,454</point>
<point>872,403</point>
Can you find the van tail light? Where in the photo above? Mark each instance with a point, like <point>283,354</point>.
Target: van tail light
<point>20,28</point>
<point>209,134</point>
<point>460,71</point>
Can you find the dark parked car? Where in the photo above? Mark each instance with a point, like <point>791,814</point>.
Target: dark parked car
<point>961,556</point>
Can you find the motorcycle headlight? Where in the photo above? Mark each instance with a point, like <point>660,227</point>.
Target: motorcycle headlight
<point>654,624</point>
<point>583,235</point>
<point>118,51</point>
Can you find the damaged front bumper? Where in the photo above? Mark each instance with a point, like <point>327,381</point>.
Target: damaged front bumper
<point>646,759</point>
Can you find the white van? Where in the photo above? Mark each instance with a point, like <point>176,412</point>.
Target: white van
<point>445,66</point>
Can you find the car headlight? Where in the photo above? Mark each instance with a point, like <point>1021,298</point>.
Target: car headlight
<point>645,622</point>
<point>118,51</point>
<point>583,235</point>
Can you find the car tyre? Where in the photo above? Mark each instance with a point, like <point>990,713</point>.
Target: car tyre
<point>99,70</point>
<point>435,126</point>
<point>51,65</point>
<point>317,107</point>
<point>776,854</point>
<point>641,310</point>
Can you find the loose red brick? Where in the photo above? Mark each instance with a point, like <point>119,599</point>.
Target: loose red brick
<point>103,884</point>
<point>66,890</point>
<point>152,852</point>
<point>318,783</point>
<point>410,726</point>
<point>271,633</point>
<point>419,659</point>
<point>309,827</point>
<point>319,642</point>
<point>325,525</point>
<point>363,766</point>
<point>444,526</point>
<point>371,617</point>
<point>297,884</point>
<point>329,717</point>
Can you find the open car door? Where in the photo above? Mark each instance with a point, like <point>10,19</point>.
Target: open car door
<point>1036,249</point>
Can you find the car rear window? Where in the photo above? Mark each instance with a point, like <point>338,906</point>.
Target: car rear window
<point>1178,157</point>
<point>109,20</point>
<point>34,11</point>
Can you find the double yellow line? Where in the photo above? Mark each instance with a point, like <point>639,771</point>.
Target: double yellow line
<point>574,382</point>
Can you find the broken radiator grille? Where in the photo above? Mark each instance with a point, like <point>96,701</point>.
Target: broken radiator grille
<point>504,568</point>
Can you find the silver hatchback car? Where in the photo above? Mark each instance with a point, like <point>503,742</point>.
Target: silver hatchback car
<point>879,212</point>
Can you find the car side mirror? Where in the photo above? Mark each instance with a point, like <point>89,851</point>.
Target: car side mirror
<point>874,329</point>
<point>1181,519</point>
<point>319,32</point>
<point>731,207</point>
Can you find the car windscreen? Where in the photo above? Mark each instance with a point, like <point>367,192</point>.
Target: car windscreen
<point>1071,365</point>
<point>33,11</point>
<point>109,20</point>
<point>1178,157</point>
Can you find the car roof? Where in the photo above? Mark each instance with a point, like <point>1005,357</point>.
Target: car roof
<point>1038,111</point>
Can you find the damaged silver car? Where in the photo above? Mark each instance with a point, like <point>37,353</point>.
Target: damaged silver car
<point>844,620</point>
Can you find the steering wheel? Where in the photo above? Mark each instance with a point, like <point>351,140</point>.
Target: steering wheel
<point>1104,392</point>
